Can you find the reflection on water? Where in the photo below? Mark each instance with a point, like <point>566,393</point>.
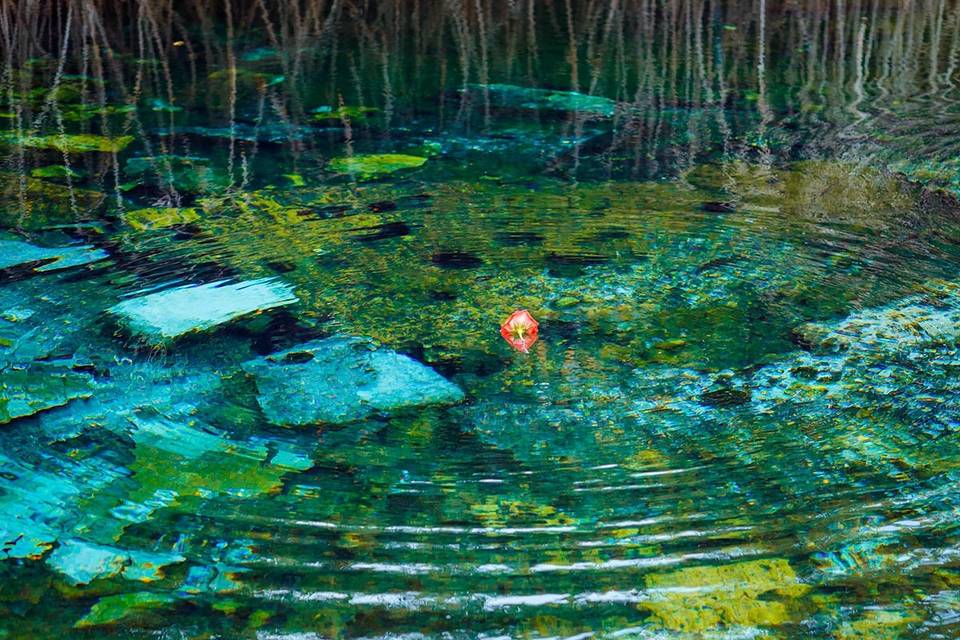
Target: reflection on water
<point>736,224</point>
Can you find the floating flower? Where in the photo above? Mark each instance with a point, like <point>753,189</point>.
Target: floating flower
<point>520,330</point>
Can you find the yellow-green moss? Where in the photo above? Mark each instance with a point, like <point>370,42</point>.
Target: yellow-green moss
<point>697,599</point>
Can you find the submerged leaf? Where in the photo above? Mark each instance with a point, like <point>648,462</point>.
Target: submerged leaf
<point>374,164</point>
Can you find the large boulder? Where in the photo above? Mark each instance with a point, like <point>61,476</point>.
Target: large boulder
<point>344,379</point>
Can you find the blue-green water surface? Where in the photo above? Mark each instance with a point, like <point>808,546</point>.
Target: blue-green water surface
<point>252,274</point>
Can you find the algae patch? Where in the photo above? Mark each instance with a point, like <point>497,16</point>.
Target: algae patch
<point>71,142</point>
<point>752,593</point>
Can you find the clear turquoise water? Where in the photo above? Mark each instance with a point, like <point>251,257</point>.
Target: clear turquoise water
<point>741,418</point>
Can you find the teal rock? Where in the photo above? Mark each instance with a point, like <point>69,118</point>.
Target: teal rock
<point>14,253</point>
<point>508,95</point>
<point>219,578</point>
<point>82,562</point>
<point>163,316</point>
<point>25,392</point>
<point>344,379</point>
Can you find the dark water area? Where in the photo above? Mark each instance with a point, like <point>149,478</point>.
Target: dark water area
<point>255,257</point>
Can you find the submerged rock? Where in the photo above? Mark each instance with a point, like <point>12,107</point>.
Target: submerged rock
<point>163,316</point>
<point>932,318</point>
<point>14,253</point>
<point>508,95</point>
<point>82,562</point>
<point>27,392</point>
<point>343,379</point>
<point>31,203</point>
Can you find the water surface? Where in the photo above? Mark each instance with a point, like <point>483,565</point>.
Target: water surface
<point>736,223</point>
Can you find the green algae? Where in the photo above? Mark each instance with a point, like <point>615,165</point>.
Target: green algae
<point>160,217</point>
<point>71,142</point>
<point>343,112</point>
<point>751,593</point>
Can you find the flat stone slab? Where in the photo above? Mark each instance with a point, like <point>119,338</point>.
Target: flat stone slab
<point>14,253</point>
<point>344,379</point>
<point>169,314</point>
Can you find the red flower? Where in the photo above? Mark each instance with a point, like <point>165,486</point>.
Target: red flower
<point>520,330</point>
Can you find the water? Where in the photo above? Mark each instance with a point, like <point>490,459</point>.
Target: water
<point>738,229</point>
